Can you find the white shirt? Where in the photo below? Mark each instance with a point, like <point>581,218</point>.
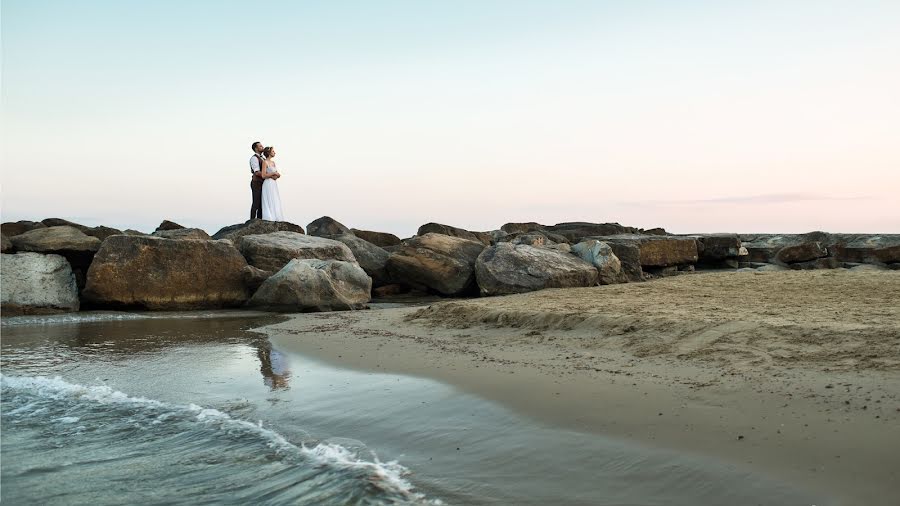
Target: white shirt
<point>254,163</point>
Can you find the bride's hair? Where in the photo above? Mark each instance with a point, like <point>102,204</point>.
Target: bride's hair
<point>268,150</point>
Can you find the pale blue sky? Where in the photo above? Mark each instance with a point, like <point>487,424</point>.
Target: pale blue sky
<point>695,116</point>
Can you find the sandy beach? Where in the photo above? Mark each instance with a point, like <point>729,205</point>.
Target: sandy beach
<point>796,374</point>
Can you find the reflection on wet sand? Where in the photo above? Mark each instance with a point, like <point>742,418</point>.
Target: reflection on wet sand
<point>273,365</point>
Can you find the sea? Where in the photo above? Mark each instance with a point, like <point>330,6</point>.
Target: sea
<point>110,408</point>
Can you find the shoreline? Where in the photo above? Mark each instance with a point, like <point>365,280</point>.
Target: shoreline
<point>812,419</point>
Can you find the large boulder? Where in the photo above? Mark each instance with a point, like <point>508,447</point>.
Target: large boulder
<point>56,239</point>
<point>655,250</point>
<point>315,285</point>
<point>76,246</point>
<point>763,248</point>
<point>33,283</point>
<point>370,257</point>
<point>437,228</point>
<point>168,225</point>
<point>629,255</point>
<point>59,222</point>
<point>255,227</point>
<point>11,228</point>
<point>271,252</point>
<point>575,232</point>
<point>193,234</point>
<point>101,232</point>
<point>519,228</point>
<point>803,252</point>
<point>716,247</point>
<point>166,274</point>
<point>436,262</point>
<point>507,268</point>
<point>326,226</point>
<point>381,239</point>
<point>7,244</point>
<point>865,248</point>
<point>600,255</point>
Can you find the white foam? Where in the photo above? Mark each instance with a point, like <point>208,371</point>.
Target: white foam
<point>388,476</point>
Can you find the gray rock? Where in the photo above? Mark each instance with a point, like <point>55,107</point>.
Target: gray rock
<point>254,277</point>
<point>600,255</point>
<point>186,234</point>
<point>380,239</point>
<point>507,268</point>
<point>771,268</point>
<point>59,222</point>
<point>56,240</point>
<point>315,285</point>
<point>629,255</point>
<point>131,231</point>
<point>255,227</point>
<point>371,258</point>
<point>326,227</point>
<point>166,274</point>
<point>575,232</point>
<point>656,251</point>
<point>535,239</point>
<point>713,247</point>
<point>436,262</point>
<point>803,252</point>
<point>10,228</point>
<point>168,225</point>
<point>437,228</point>
<point>33,283</point>
<point>102,232</point>
<point>271,252</point>
<point>520,228</point>
<point>7,244</point>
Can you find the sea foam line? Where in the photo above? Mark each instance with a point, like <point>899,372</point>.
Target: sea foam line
<point>388,476</point>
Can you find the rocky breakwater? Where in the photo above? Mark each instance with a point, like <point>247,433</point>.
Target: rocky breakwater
<point>822,250</point>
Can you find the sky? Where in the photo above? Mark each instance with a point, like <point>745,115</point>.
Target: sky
<point>695,116</point>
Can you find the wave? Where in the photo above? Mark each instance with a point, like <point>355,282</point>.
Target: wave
<point>41,401</point>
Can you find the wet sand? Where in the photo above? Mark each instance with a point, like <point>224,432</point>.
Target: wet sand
<point>795,374</point>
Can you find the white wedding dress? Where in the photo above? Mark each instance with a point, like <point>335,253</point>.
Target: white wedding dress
<point>271,201</point>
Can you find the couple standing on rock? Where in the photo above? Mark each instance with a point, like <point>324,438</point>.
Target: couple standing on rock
<point>264,185</point>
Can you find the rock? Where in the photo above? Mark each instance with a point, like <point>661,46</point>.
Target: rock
<point>522,228</point>
<point>549,237</point>
<point>315,285</point>
<point>10,229</point>
<point>437,228</point>
<point>668,251</point>
<point>689,268</point>
<point>887,255</point>
<point>436,262</point>
<point>655,231</point>
<point>802,252</point>
<point>532,239</point>
<point>168,225</point>
<point>326,227</point>
<point>575,232</point>
<point>131,231</point>
<point>818,263</point>
<point>166,274</point>
<point>771,268</point>
<point>763,248</point>
<point>101,232</point>
<point>498,236</point>
<point>507,268</point>
<point>7,244</point>
<point>563,246</point>
<point>255,227</point>
<point>59,222</point>
<point>33,283</point>
<point>186,234</point>
<point>865,248</point>
<point>380,239</point>
<point>389,290</point>
<point>629,255</point>
<point>254,277</point>
<point>600,255</point>
<point>56,239</point>
<point>271,252</point>
<point>714,247</point>
<point>370,257</point>
<point>660,272</point>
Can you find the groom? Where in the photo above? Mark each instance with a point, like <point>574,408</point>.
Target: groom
<point>256,183</point>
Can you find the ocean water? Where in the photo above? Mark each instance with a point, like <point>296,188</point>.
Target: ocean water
<point>122,408</point>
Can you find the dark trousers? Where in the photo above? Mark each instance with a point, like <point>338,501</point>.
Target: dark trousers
<point>256,189</point>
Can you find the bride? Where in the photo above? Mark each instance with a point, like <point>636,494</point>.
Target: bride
<point>271,201</point>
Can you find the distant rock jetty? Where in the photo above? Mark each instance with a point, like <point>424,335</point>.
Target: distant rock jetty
<point>56,266</point>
